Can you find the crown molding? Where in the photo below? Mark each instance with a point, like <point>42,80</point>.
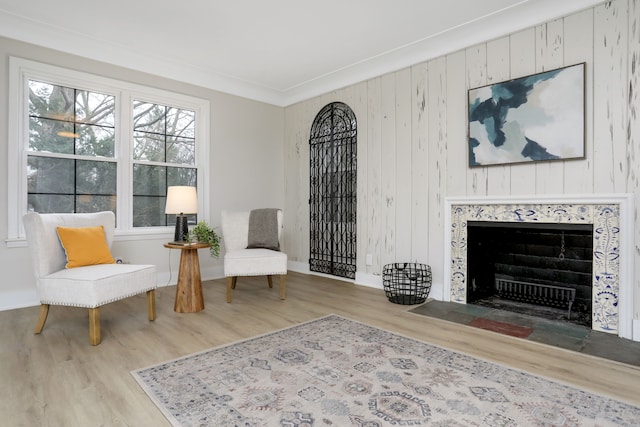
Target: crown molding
<point>524,15</point>
<point>505,22</point>
<point>29,31</point>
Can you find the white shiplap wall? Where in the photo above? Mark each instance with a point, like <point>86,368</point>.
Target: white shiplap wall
<point>412,130</point>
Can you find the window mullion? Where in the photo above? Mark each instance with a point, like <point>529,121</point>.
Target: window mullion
<point>124,136</point>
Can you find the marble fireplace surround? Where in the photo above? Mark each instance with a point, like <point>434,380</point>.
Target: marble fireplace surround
<point>612,219</point>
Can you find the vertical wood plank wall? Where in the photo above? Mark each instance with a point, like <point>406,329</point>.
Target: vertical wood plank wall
<point>412,136</point>
<point>632,140</point>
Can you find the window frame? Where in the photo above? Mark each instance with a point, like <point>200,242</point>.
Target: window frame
<point>22,70</point>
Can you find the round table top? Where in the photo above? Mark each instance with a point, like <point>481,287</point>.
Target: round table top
<point>194,245</point>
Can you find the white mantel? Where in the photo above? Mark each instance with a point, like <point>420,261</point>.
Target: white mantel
<point>612,217</point>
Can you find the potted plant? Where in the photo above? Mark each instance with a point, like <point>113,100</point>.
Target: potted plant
<point>202,233</point>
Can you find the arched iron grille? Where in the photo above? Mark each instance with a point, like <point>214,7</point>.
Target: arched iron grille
<point>333,191</point>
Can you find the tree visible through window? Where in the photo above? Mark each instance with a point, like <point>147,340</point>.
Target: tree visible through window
<point>71,165</point>
<point>86,143</point>
<point>164,154</point>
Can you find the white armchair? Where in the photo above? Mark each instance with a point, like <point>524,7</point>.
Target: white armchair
<point>88,286</point>
<point>242,261</point>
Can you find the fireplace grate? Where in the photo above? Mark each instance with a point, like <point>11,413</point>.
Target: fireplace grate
<point>536,293</point>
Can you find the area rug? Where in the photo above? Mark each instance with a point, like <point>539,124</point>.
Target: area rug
<point>338,372</point>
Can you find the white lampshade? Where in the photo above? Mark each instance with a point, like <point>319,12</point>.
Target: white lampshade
<point>181,200</point>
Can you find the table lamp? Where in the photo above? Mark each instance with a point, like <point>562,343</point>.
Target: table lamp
<point>181,200</point>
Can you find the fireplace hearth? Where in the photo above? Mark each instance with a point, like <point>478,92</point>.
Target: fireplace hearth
<point>542,270</point>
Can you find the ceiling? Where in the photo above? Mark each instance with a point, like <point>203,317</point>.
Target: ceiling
<point>275,51</point>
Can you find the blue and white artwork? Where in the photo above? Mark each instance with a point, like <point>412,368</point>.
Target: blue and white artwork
<point>533,118</point>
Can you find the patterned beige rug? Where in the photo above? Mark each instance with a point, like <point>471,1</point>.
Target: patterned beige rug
<point>337,372</point>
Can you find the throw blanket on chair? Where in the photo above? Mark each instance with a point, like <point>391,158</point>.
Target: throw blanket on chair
<point>263,229</point>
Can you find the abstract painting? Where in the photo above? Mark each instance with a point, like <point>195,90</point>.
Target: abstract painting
<point>528,119</point>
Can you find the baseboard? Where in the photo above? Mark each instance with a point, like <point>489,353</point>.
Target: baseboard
<point>29,298</point>
<point>369,280</point>
<point>362,279</point>
<point>436,292</point>
<point>636,330</point>
<point>212,273</point>
<point>19,299</point>
<point>208,273</point>
<point>298,267</point>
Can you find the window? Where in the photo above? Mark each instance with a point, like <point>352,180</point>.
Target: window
<point>71,164</point>
<point>84,143</point>
<point>164,154</point>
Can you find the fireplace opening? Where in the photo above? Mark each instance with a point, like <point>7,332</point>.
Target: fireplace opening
<point>542,270</point>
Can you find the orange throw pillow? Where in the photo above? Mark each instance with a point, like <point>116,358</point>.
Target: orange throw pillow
<point>85,246</point>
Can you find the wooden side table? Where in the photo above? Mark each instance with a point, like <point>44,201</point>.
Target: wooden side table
<point>189,297</point>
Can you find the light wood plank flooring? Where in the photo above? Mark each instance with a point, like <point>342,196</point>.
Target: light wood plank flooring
<point>58,379</point>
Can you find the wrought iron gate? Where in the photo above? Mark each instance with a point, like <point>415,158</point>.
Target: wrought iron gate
<point>332,202</point>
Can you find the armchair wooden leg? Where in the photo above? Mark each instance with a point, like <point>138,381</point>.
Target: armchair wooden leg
<point>270,281</point>
<point>283,288</point>
<point>231,281</point>
<point>151,304</point>
<point>94,326</point>
<point>42,318</point>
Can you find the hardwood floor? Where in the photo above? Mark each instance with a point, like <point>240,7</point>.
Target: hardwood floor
<point>58,379</point>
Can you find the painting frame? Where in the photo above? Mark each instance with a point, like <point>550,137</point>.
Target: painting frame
<point>535,118</point>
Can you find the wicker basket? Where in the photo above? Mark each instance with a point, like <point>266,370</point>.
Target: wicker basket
<point>406,283</point>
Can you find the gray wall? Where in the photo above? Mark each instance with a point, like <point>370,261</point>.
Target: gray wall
<point>246,167</point>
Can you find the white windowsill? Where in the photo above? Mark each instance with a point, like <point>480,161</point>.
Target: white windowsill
<point>120,236</point>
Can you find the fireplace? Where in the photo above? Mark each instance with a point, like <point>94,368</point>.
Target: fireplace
<point>610,217</point>
<point>542,270</point>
